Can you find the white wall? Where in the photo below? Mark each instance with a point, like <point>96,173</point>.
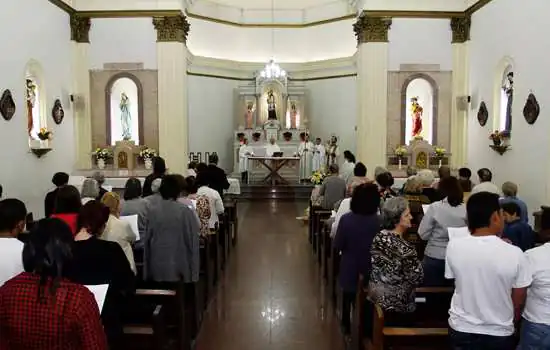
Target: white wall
<point>123,40</point>
<point>333,110</point>
<point>211,109</point>
<point>316,43</point>
<point>42,34</point>
<point>420,41</point>
<point>524,41</point>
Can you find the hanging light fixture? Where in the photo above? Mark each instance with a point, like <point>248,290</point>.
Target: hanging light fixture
<point>272,71</point>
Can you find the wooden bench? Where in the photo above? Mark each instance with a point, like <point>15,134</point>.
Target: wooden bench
<point>148,335</point>
<point>317,217</point>
<point>426,328</point>
<point>232,217</point>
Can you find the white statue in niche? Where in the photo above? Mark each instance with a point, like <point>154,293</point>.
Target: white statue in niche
<point>125,117</point>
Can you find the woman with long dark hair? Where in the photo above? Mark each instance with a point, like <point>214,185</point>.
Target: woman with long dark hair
<point>159,170</point>
<point>40,309</point>
<point>67,206</point>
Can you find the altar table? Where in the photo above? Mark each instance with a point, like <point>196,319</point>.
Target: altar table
<point>273,165</point>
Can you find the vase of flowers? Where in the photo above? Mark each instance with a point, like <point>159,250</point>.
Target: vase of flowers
<point>400,152</point>
<point>287,136</point>
<point>439,153</point>
<point>317,179</point>
<point>147,154</point>
<point>44,135</point>
<point>101,156</point>
<point>498,137</point>
<point>256,136</point>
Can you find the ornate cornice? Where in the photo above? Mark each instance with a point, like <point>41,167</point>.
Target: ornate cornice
<point>461,29</point>
<point>372,29</point>
<point>80,28</point>
<point>171,28</point>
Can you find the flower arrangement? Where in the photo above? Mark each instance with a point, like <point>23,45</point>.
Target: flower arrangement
<point>318,177</point>
<point>287,135</point>
<point>499,136</point>
<point>102,153</point>
<point>439,152</point>
<point>147,153</point>
<point>240,137</point>
<point>256,136</point>
<point>44,134</point>
<point>400,151</point>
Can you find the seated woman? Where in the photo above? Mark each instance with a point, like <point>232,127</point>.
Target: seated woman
<point>396,271</point>
<point>449,212</point>
<point>359,177</point>
<point>346,171</point>
<point>133,204</point>
<point>343,208</point>
<point>39,309</point>
<point>90,190</point>
<point>353,239</point>
<point>200,204</point>
<point>117,230</point>
<point>101,262</point>
<point>464,178</point>
<point>385,182</point>
<point>333,189</point>
<point>427,179</point>
<point>67,206</point>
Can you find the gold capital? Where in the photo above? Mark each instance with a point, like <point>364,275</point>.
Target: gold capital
<point>172,28</point>
<point>461,29</point>
<point>80,28</point>
<point>372,29</point>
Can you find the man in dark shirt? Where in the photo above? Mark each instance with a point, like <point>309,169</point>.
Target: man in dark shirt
<point>217,179</point>
<point>159,169</point>
<point>517,230</point>
<point>59,179</point>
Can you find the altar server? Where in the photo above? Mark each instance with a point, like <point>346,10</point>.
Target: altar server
<point>305,151</point>
<point>244,152</point>
<point>272,148</point>
<point>318,155</point>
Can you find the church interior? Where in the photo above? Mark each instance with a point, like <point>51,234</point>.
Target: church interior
<point>102,86</point>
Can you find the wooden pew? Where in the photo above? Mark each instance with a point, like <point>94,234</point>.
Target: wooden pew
<point>426,328</point>
<point>148,335</point>
<point>231,213</point>
<point>318,216</point>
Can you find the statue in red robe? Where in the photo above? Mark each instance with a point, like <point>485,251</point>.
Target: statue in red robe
<point>417,112</point>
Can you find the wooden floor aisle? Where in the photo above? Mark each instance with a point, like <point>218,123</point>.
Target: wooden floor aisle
<point>271,296</point>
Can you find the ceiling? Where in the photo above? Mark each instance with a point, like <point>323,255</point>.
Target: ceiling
<point>268,4</point>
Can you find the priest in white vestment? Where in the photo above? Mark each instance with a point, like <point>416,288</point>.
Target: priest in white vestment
<point>271,148</point>
<point>245,151</point>
<point>319,151</point>
<point>305,151</point>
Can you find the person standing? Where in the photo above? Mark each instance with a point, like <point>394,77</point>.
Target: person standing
<point>217,177</point>
<point>305,151</point>
<point>272,148</point>
<point>245,151</point>
<point>491,279</point>
<point>333,152</point>
<point>159,169</point>
<point>319,153</point>
<point>59,180</point>
<point>12,223</point>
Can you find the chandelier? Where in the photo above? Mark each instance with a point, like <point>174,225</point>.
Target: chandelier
<point>272,71</point>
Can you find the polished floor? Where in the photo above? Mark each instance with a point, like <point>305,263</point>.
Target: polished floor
<point>271,296</point>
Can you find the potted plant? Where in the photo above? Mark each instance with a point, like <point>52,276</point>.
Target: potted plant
<point>44,134</point>
<point>101,156</point>
<point>240,137</point>
<point>317,179</point>
<point>400,152</point>
<point>439,153</point>
<point>287,136</point>
<point>147,154</point>
<point>256,136</point>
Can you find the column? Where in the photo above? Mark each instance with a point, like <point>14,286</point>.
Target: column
<point>80,67</point>
<point>460,88</point>
<point>172,34</point>
<point>372,90</point>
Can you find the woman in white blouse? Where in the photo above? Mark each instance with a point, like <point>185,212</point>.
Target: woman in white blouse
<point>346,170</point>
<point>117,230</point>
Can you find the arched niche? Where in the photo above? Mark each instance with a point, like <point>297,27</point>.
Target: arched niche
<point>278,94</point>
<point>128,84</point>
<point>424,87</point>
<point>35,98</point>
<point>503,95</point>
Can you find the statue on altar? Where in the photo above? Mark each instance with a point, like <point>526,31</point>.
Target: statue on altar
<point>271,108</point>
<point>249,116</point>
<point>125,117</point>
<point>293,116</point>
<point>416,111</point>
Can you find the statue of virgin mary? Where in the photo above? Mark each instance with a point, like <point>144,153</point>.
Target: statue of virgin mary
<point>125,117</point>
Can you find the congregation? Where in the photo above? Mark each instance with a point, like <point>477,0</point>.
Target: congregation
<point>395,240</point>
<point>86,241</point>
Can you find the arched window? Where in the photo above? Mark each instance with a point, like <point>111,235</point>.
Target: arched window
<point>124,121</point>
<point>35,99</point>
<point>419,110</point>
<point>506,100</point>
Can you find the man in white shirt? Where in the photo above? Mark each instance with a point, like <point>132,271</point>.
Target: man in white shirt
<point>491,280</point>
<point>214,199</point>
<point>305,152</point>
<point>12,222</point>
<point>272,148</point>
<point>535,327</point>
<point>245,151</point>
<point>318,155</point>
<point>485,184</point>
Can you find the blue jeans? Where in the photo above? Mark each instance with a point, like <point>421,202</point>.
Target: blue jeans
<point>534,336</point>
<point>434,273</point>
<point>471,341</point>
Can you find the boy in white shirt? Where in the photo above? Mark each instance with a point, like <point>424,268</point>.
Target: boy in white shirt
<point>12,222</point>
<point>491,280</point>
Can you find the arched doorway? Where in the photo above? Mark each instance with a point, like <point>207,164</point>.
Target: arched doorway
<point>422,90</point>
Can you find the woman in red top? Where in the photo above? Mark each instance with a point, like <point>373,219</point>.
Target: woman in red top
<point>67,206</point>
<point>41,310</point>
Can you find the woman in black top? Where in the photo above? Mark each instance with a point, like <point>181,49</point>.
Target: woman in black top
<point>101,262</point>
<point>159,169</point>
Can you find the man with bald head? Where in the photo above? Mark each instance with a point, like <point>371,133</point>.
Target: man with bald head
<point>272,148</point>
